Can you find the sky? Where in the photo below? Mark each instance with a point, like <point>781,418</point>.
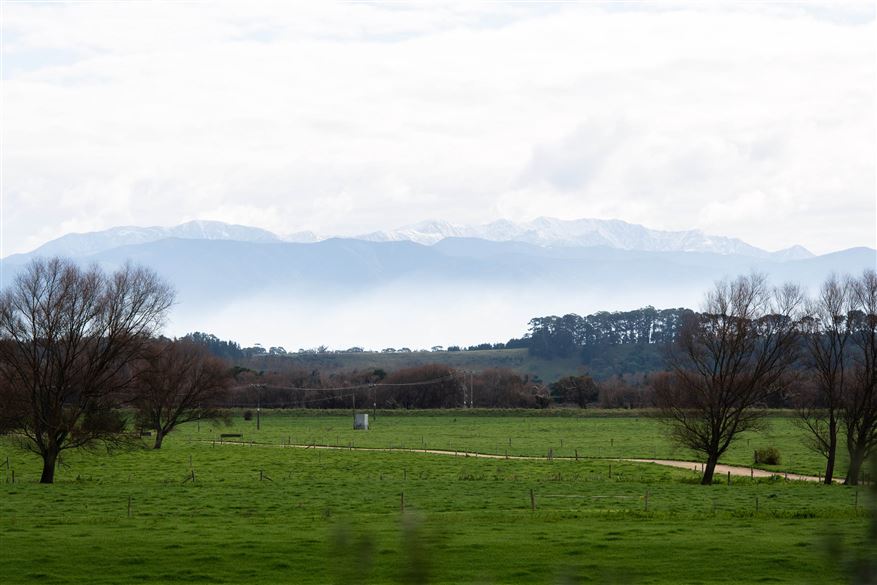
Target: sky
<point>749,119</point>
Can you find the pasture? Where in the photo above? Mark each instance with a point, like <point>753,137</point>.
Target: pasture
<point>267,513</point>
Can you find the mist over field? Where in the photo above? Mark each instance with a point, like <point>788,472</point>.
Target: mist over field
<point>403,314</point>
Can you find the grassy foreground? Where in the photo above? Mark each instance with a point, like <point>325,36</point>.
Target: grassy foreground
<point>323,516</point>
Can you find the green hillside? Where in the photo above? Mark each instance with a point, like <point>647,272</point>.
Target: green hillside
<point>600,363</point>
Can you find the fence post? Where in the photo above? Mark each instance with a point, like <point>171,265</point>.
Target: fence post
<point>729,478</point>
<point>532,501</point>
<point>402,501</point>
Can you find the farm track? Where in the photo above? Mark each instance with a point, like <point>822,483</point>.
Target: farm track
<point>721,469</point>
<point>725,469</point>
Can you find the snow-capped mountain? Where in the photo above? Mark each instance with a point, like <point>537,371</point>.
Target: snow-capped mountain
<point>93,242</point>
<point>305,237</point>
<point>544,232</point>
<point>547,231</point>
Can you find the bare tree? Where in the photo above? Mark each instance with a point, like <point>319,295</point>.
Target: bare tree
<point>68,337</point>
<point>178,382</point>
<point>728,359</point>
<point>826,331</point>
<point>860,404</point>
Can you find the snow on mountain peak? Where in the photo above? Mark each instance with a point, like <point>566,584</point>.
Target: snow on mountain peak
<point>83,244</point>
<point>542,231</point>
<point>585,232</point>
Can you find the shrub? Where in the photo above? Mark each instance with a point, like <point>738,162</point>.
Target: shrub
<point>248,415</point>
<point>767,456</point>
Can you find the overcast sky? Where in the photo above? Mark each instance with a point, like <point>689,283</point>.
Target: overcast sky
<point>748,119</point>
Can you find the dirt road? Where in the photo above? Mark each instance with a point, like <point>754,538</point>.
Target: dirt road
<point>694,466</point>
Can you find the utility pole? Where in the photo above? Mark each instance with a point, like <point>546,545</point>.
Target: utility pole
<point>471,389</point>
<point>259,408</point>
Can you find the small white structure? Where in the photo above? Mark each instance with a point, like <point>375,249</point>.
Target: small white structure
<point>360,421</point>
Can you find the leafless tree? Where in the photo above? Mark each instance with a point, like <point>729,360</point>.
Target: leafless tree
<point>68,337</point>
<point>178,382</point>
<point>728,359</point>
<point>826,331</point>
<point>860,404</point>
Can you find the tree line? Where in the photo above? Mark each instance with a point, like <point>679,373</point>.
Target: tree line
<point>564,336</point>
<point>426,386</point>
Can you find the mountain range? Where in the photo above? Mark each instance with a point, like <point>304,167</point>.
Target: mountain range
<point>431,283</point>
<point>543,232</point>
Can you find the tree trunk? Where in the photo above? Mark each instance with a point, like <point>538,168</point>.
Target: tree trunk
<point>159,437</point>
<point>831,455</point>
<point>50,457</point>
<point>709,469</point>
<point>857,460</point>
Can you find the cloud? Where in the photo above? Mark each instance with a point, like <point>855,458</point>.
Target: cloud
<point>345,118</point>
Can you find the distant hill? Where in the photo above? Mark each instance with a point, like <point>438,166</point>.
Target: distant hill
<point>517,360</point>
<point>601,363</point>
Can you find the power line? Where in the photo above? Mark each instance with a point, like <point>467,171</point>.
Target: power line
<point>359,386</point>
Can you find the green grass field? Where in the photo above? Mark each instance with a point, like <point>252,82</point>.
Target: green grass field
<point>591,434</point>
<point>335,516</point>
